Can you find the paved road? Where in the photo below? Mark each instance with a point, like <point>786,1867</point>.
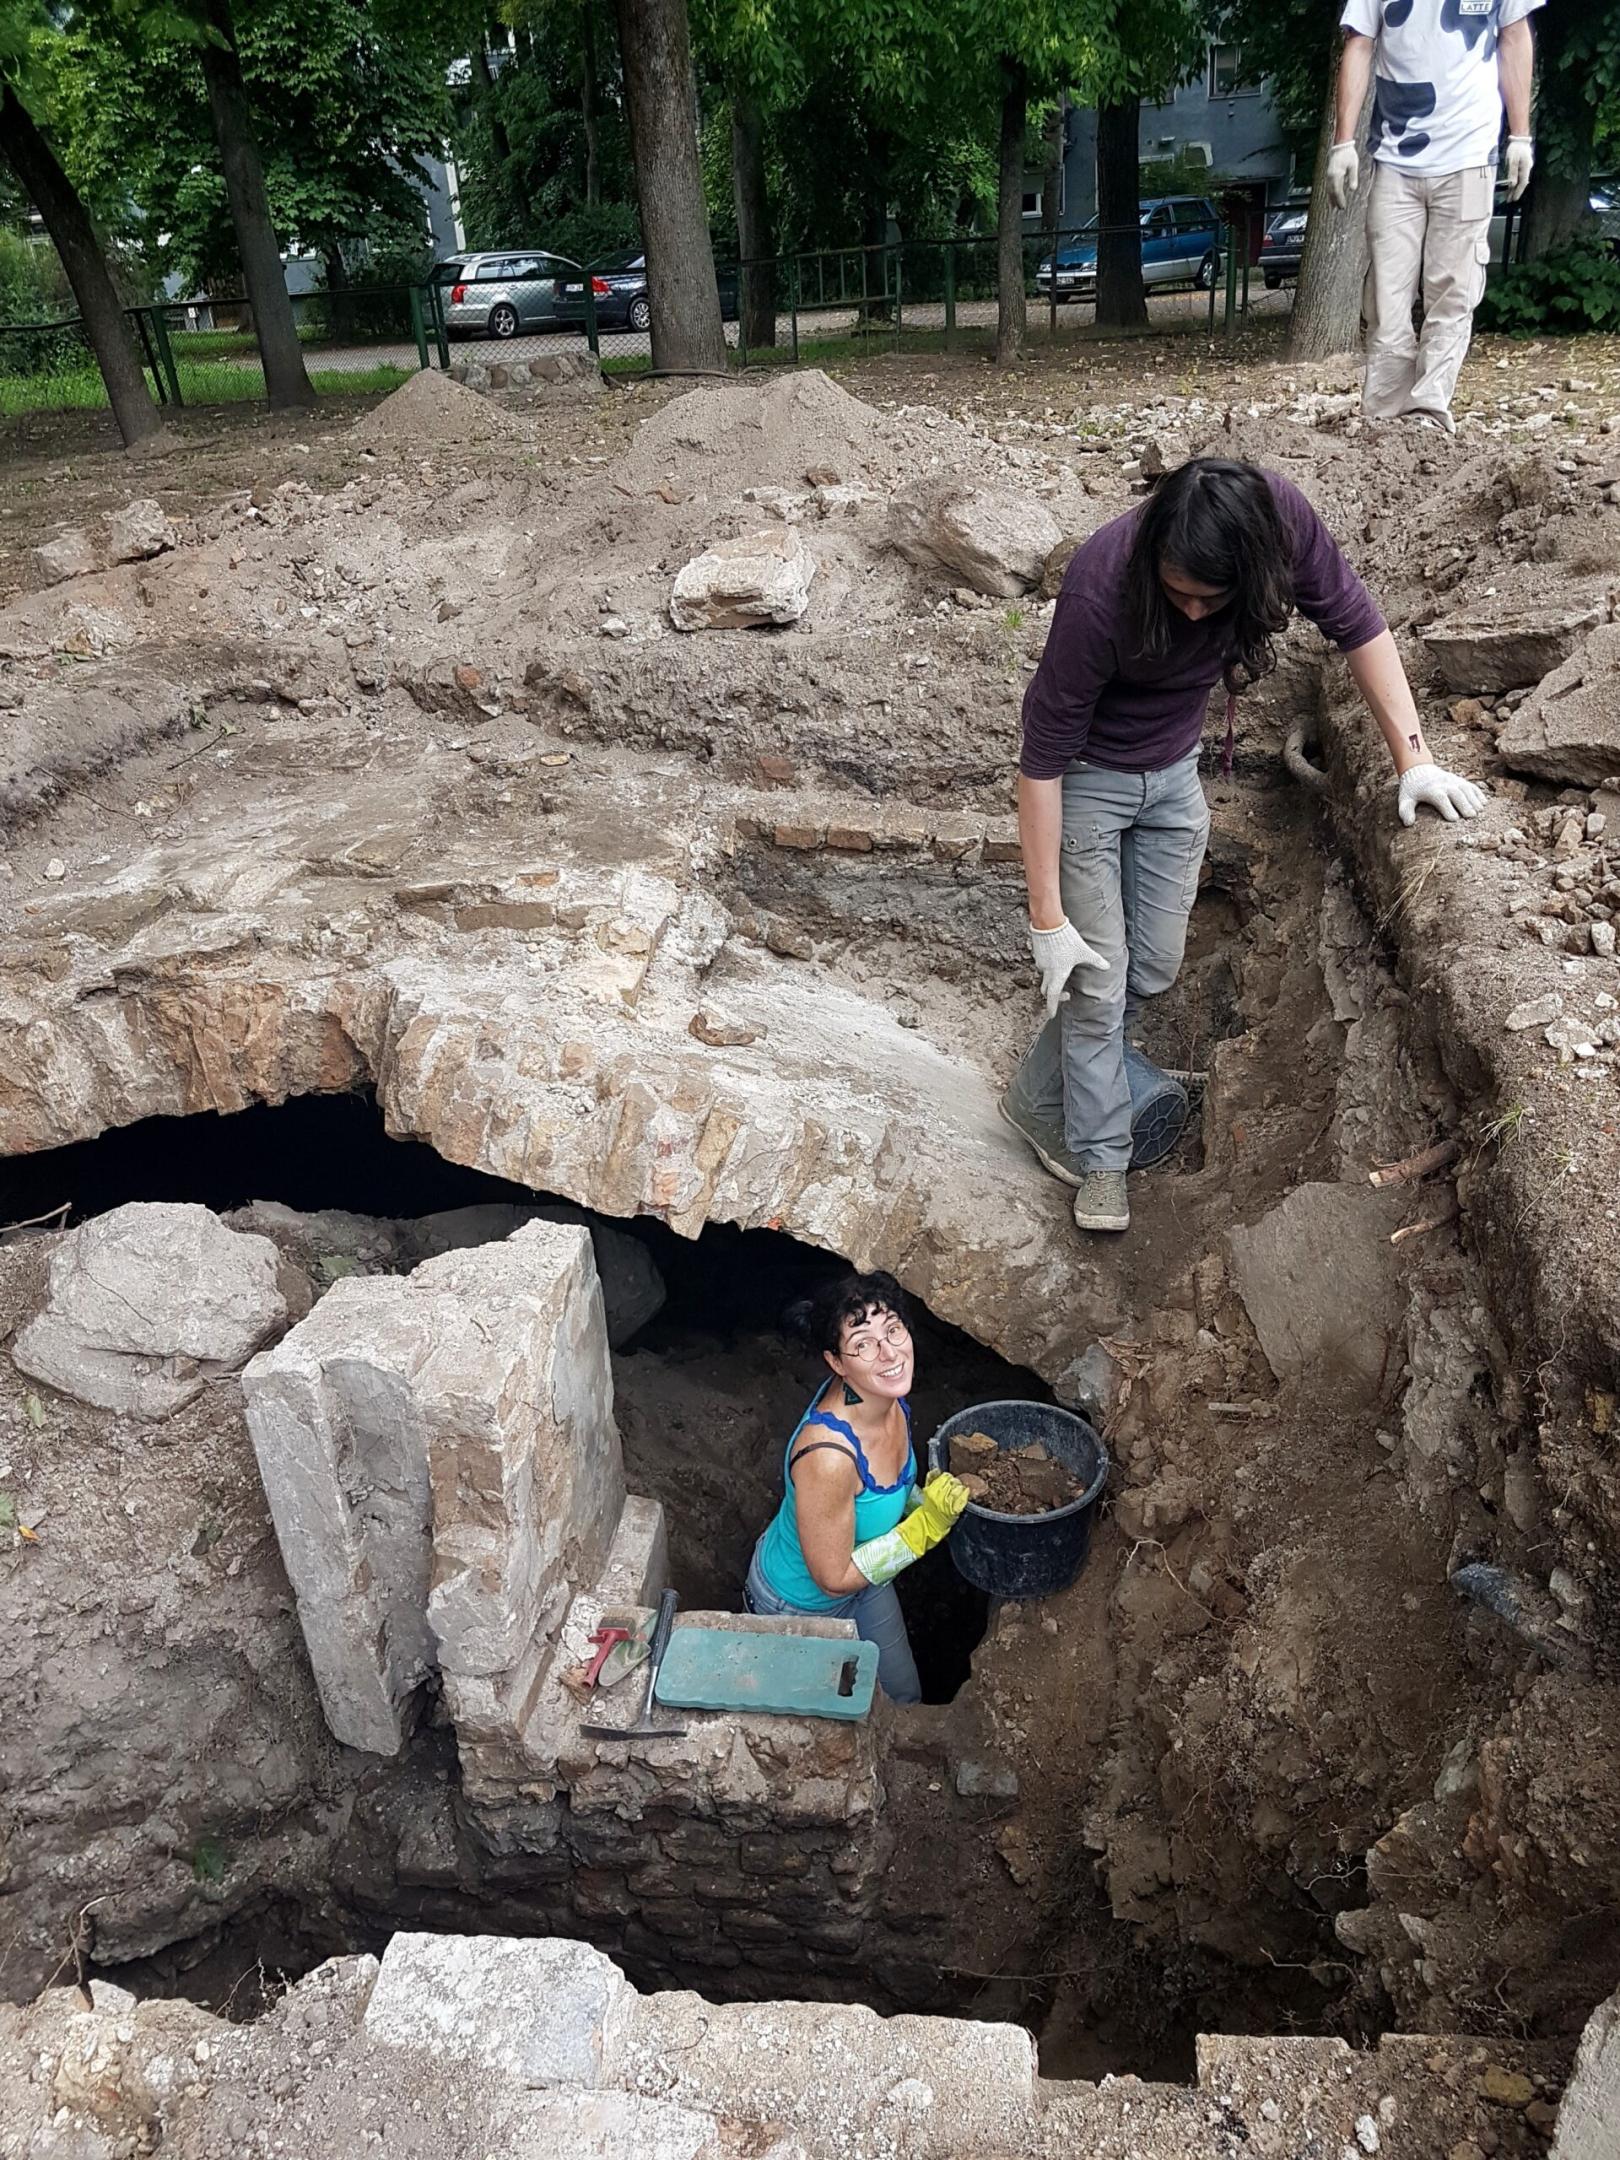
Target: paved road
<point>1188,310</point>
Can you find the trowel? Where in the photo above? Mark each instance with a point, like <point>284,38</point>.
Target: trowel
<point>645,1727</point>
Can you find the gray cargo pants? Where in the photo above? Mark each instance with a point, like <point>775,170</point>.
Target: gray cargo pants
<point>1132,847</point>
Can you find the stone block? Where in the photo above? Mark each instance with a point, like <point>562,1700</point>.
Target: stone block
<point>1317,1277</point>
<point>342,1450</point>
<point>68,554</point>
<point>840,2078</point>
<point>850,839</point>
<point>1569,729</point>
<point>743,584</point>
<point>149,1303</point>
<point>524,1463</point>
<point>136,532</point>
<point>442,1466</point>
<point>1506,651</point>
<point>541,2012</point>
<point>1590,2109</point>
<point>636,1571</point>
<point>989,538</point>
<point>632,1286</point>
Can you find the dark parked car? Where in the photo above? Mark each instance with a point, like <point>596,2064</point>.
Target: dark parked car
<point>1180,246</point>
<point>619,286</point>
<point>1284,242</point>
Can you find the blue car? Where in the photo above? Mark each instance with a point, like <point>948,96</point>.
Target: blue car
<point>1181,245</point>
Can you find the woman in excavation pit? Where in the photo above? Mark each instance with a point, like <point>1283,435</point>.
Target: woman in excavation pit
<point>852,1516</point>
<point>1186,590</point>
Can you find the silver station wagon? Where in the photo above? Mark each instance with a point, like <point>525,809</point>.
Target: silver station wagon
<point>503,293</point>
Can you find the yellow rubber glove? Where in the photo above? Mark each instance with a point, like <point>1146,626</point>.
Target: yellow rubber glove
<point>934,1511</point>
<point>933,1516</point>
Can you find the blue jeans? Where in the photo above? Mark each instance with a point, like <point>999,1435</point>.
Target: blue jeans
<point>877,1617</point>
<point>1133,844</point>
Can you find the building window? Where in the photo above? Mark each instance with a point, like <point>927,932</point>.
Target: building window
<point>1033,199</point>
<point>1227,75</point>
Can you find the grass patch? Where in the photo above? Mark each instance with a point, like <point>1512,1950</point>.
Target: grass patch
<point>222,383</point>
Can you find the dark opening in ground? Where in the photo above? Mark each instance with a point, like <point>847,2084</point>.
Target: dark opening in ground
<point>707,1392</point>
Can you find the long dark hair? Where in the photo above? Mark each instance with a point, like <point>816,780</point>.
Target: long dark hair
<point>1214,519</point>
<point>820,1319</point>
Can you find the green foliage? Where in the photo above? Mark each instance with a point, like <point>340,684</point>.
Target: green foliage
<point>346,100</point>
<point>33,284</point>
<point>209,1860</point>
<point>521,141</point>
<point>1577,289</point>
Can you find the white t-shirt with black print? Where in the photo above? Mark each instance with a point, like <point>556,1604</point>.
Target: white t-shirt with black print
<point>1437,103</point>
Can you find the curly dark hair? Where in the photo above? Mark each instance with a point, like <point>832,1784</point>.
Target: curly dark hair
<point>1214,519</point>
<point>818,1321</point>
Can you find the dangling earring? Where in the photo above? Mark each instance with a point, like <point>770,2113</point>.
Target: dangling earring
<point>850,1397</point>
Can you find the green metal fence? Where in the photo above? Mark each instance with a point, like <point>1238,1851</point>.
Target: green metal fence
<point>204,351</point>
<point>924,294</point>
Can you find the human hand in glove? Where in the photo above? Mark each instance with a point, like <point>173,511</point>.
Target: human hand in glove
<point>1343,172</point>
<point>932,1518</point>
<point>1057,954</point>
<point>1444,791</point>
<point>1516,164</point>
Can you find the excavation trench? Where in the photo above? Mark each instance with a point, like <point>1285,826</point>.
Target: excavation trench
<point>1132,1814</point>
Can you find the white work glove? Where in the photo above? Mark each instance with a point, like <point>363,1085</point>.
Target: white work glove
<point>1057,954</point>
<point>1343,172</point>
<point>1516,165</point>
<point>1444,791</point>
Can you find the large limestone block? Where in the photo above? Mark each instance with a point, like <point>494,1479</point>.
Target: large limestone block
<point>990,538</point>
<point>341,1440</point>
<point>632,1286</point>
<point>1588,2126</point>
<point>443,1468</point>
<point>741,584</point>
<point>1318,1280</point>
<point>1569,730</point>
<point>1480,655</point>
<point>541,2011</point>
<point>839,2077</point>
<point>149,1303</point>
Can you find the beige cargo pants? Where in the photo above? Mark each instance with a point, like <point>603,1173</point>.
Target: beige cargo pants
<point>1431,231</point>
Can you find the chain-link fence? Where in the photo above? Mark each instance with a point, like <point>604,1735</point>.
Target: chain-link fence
<point>205,352</point>
<point>1183,267</point>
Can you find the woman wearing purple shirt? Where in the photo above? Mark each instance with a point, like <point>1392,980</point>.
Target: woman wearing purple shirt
<point>1185,591</point>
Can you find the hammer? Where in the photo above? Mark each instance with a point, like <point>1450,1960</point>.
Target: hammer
<point>643,1727</point>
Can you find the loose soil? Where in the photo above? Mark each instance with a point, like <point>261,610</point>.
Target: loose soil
<point>1012,1481</point>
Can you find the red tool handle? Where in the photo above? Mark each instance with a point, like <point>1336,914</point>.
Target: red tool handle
<point>607,1637</point>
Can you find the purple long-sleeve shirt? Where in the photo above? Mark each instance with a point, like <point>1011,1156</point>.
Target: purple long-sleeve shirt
<point>1095,695</point>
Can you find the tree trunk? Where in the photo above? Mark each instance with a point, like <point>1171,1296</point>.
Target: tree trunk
<point>67,221</point>
<point>500,141</point>
<point>590,103</point>
<point>756,299</point>
<point>1333,268</point>
<point>655,46</point>
<point>285,381</point>
<point>1012,315</point>
<point>1559,201</point>
<point>1121,299</point>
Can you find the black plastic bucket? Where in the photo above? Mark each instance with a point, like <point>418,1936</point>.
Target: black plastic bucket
<point>1025,1556</point>
<point>1160,1108</point>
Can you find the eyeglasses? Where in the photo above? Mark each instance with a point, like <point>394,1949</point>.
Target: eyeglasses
<point>867,1349</point>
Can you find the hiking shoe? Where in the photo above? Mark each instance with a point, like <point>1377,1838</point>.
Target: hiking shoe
<point>1101,1204</point>
<point>1045,1136</point>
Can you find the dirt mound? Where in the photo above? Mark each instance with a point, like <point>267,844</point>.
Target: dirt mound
<point>430,409</point>
<point>721,440</point>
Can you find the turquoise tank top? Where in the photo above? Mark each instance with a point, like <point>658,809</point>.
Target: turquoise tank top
<point>877,1509</point>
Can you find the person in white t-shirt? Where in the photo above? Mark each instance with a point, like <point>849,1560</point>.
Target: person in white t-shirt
<point>1442,72</point>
